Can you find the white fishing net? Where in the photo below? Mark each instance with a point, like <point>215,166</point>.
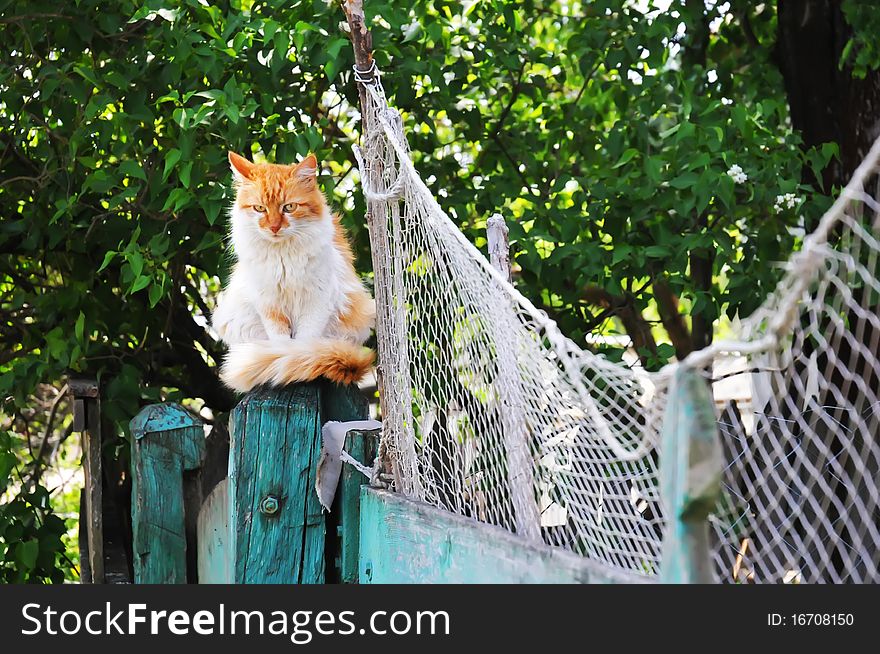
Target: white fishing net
<point>490,412</point>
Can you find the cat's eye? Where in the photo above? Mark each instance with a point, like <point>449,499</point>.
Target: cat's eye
<point>259,208</point>
<point>290,207</point>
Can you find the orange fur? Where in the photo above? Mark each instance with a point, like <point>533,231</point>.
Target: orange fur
<point>361,313</point>
<point>325,325</point>
<point>340,240</point>
<point>286,362</point>
<point>276,185</point>
<point>279,318</point>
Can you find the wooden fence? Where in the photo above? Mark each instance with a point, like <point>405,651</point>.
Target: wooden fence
<point>264,523</point>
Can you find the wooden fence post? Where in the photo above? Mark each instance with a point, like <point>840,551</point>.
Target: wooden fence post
<point>521,477</point>
<point>214,538</point>
<point>87,420</point>
<point>691,465</point>
<point>167,440</point>
<point>362,446</point>
<point>277,526</point>
<point>214,560</point>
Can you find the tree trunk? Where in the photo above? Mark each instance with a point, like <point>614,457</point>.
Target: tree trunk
<point>827,103</point>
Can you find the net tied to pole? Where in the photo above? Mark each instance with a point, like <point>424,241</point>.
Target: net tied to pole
<point>492,413</point>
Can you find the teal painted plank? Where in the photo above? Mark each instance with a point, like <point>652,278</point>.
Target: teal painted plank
<point>346,404</point>
<point>164,446</point>
<point>402,541</point>
<point>691,466</point>
<point>277,526</point>
<point>214,539</point>
<point>362,447</point>
<point>167,416</point>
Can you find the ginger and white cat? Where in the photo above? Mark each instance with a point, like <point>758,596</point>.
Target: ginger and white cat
<point>294,308</point>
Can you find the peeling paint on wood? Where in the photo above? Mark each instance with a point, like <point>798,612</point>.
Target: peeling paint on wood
<point>691,465</point>
<point>167,440</point>
<point>407,542</point>
<point>347,403</point>
<point>214,538</point>
<point>362,446</point>
<point>277,525</point>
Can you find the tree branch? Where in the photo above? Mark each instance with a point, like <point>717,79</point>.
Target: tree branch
<point>637,328</point>
<point>50,422</point>
<point>673,321</point>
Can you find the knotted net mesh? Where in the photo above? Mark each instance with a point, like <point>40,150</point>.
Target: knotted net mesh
<point>490,412</point>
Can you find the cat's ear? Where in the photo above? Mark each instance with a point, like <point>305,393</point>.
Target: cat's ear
<point>307,169</point>
<point>241,168</point>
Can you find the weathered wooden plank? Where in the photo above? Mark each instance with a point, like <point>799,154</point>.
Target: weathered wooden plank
<point>402,541</point>
<point>214,539</point>
<point>497,236</point>
<point>85,566</point>
<point>521,480</point>
<point>92,480</point>
<point>86,397</point>
<point>277,524</point>
<point>347,403</point>
<point>691,466</point>
<point>362,446</point>
<point>166,441</point>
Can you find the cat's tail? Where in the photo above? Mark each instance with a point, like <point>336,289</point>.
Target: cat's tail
<point>288,361</point>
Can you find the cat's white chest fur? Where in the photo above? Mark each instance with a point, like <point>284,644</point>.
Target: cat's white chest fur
<point>300,284</point>
<point>301,279</point>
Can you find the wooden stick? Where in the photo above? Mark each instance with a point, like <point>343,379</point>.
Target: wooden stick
<point>362,44</point>
<point>516,435</point>
<point>499,246</point>
<point>87,420</point>
<point>94,491</point>
<point>743,550</point>
<point>361,39</point>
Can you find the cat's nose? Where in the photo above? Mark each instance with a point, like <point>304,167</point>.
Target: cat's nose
<point>275,228</point>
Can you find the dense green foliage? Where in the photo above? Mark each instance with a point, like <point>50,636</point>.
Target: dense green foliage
<point>644,159</point>
<point>605,135</point>
<point>862,50</point>
<point>31,546</point>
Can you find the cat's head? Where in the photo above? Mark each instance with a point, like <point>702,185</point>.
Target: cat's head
<point>276,201</point>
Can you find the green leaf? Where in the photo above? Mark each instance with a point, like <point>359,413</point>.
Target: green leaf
<point>685,180</point>
<point>669,132</point>
<point>79,329</point>
<point>658,251</point>
<point>171,160</point>
<point>26,554</point>
<point>330,70</point>
<point>61,205</point>
<point>140,283</point>
<point>108,257</point>
<point>133,169</point>
<point>136,261</point>
<point>177,199</point>
<point>625,157</point>
<point>87,74</point>
<point>155,294</point>
<point>335,46</point>
<point>185,172</point>
<point>830,151</point>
